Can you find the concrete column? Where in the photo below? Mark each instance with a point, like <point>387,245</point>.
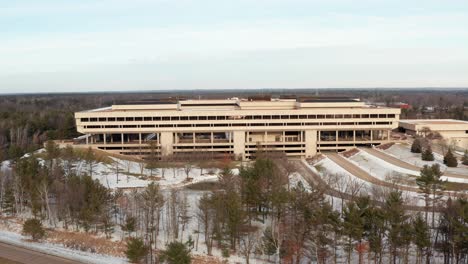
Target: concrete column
<point>193,137</point>
<point>354,136</point>
<point>211,138</point>
<point>239,144</point>
<point>104,137</point>
<point>371,135</point>
<point>166,143</point>
<point>336,136</point>
<point>388,135</point>
<point>87,139</point>
<point>139,138</point>
<point>310,142</point>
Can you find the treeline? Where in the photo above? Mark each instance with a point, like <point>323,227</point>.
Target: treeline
<point>257,214</point>
<point>26,121</point>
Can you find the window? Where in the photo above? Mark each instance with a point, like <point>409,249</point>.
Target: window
<point>174,118</point>
<point>138,118</point>
<point>111,119</point>
<point>156,118</point>
<point>120,118</point>
<point>312,116</point>
<point>102,119</point>
<point>129,119</point>
<point>338,116</point>
<point>184,118</point>
<point>129,126</point>
<point>202,118</point>
<point>148,118</point>
<point>166,118</point>
<point>93,119</point>
<point>84,119</point>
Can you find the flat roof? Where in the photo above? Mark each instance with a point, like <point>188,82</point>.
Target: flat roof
<point>433,121</point>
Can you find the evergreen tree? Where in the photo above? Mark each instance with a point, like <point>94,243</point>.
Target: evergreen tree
<point>416,147</point>
<point>176,253</point>
<point>353,224</point>
<point>427,155</point>
<point>450,160</point>
<point>396,220</point>
<point>136,250</point>
<point>465,158</point>
<point>431,186</point>
<point>33,228</point>
<point>421,238</point>
<point>8,202</point>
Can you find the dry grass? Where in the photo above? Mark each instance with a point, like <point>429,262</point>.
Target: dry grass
<point>350,152</point>
<point>87,242</point>
<point>385,146</point>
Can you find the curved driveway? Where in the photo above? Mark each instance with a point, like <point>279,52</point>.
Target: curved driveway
<point>397,162</point>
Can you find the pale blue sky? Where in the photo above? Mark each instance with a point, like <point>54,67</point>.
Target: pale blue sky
<point>83,45</point>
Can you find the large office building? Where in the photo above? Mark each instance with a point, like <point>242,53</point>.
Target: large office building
<point>239,127</point>
<point>455,131</point>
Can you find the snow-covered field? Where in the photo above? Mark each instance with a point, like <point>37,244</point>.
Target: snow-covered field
<point>402,152</point>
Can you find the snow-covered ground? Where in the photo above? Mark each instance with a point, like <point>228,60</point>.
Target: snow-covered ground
<point>402,152</point>
<point>386,171</point>
<point>337,177</point>
<point>133,175</point>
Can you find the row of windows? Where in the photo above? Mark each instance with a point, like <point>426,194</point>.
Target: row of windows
<point>264,117</point>
<point>241,125</point>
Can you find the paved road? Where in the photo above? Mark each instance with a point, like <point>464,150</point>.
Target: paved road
<point>315,180</point>
<point>360,173</point>
<point>23,255</point>
<point>397,162</point>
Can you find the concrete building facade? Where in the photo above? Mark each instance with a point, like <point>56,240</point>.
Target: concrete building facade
<point>238,127</point>
<point>455,131</point>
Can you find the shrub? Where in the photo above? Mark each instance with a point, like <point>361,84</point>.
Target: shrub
<point>33,228</point>
<point>136,250</point>
<point>427,154</point>
<point>450,160</point>
<point>176,253</point>
<point>416,147</point>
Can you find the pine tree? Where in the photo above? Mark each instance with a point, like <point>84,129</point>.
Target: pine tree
<point>416,147</point>
<point>427,155</point>
<point>465,158</point>
<point>8,205</point>
<point>421,238</point>
<point>396,218</point>
<point>450,160</point>
<point>136,250</point>
<point>33,228</point>
<point>176,253</point>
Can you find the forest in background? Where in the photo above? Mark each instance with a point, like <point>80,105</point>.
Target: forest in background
<point>28,120</point>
